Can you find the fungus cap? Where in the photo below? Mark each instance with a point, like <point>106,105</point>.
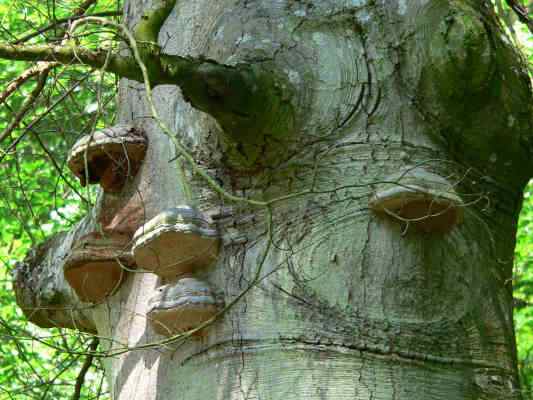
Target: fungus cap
<point>423,199</point>
<point>95,267</point>
<point>111,156</point>
<point>42,295</point>
<point>181,306</point>
<point>175,242</point>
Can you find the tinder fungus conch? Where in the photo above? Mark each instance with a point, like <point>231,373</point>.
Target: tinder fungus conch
<point>424,200</point>
<point>95,266</point>
<point>181,306</point>
<point>41,293</point>
<point>108,157</point>
<point>177,241</point>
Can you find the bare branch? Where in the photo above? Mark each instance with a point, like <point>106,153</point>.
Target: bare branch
<point>67,54</point>
<point>28,104</point>
<point>42,69</point>
<point>56,166</point>
<point>14,144</point>
<point>83,7</point>
<point>22,78</point>
<point>84,369</point>
<point>522,13</point>
<point>61,21</point>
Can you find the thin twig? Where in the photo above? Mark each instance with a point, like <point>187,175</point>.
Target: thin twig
<point>521,12</point>
<point>21,79</point>
<point>55,165</point>
<point>40,117</point>
<point>84,369</point>
<point>44,69</point>
<point>61,21</point>
<point>28,104</point>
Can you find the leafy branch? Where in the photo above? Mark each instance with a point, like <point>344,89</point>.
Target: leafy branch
<point>42,71</point>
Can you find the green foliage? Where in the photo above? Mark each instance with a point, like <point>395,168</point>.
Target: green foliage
<point>523,292</point>
<point>39,196</point>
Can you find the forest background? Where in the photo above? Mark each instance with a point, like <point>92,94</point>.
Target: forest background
<point>38,196</point>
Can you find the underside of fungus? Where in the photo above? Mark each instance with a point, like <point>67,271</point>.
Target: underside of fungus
<point>177,241</point>
<point>108,157</point>
<point>420,198</point>
<point>96,267</point>
<point>181,306</point>
<point>42,293</point>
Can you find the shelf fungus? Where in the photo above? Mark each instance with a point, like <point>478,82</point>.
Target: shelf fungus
<point>42,293</point>
<point>422,199</point>
<point>181,306</point>
<point>95,266</point>
<point>177,241</point>
<point>108,157</point>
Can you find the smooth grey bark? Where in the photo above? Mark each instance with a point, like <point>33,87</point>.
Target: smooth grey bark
<point>353,304</point>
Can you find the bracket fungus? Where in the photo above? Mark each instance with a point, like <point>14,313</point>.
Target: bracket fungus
<point>95,267</point>
<point>42,293</point>
<point>425,200</point>
<point>108,157</point>
<point>177,241</point>
<point>181,306</point>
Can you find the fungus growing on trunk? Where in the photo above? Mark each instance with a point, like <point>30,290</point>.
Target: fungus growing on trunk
<point>108,157</point>
<point>177,241</point>
<point>41,292</point>
<point>426,201</point>
<point>181,306</point>
<point>95,267</point>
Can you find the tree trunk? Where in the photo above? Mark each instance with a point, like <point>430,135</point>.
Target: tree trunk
<point>389,277</point>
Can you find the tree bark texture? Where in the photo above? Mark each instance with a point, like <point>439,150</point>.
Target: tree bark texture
<point>351,303</point>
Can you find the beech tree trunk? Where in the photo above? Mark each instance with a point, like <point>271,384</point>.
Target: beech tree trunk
<point>362,295</point>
